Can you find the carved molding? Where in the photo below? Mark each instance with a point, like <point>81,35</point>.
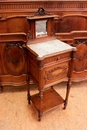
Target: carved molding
<point>11,37</point>
<point>40,64</point>
<point>70,36</point>
<point>13,80</point>
<point>31,5</point>
<point>53,31</point>
<point>29,35</point>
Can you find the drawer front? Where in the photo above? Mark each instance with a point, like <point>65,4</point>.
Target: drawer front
<point>56,72</point>
<point>57,58</point>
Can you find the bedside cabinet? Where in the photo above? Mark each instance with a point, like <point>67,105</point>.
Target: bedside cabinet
<point>49,63</point>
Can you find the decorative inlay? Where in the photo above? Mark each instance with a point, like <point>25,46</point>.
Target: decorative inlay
<point>55,72</point>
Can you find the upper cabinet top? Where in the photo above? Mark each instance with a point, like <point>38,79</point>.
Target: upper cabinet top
<point>36,0</point>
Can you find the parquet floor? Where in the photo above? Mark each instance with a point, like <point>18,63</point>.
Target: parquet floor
<point>16,114</point>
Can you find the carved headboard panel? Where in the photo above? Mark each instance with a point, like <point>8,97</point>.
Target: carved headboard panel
<point>71,26</point>
<point>14,24</point>
<point>71,22</point>
<point>72,29</point>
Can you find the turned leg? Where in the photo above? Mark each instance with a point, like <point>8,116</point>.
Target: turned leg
<point>28,89</point>
<point>67,94</point>
<point>40,113</point>
<point>28,95</point>
<point>71,66</point>
<point>1,88</point>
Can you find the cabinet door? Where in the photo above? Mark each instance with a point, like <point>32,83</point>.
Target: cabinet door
<point>13,64</point>
<point>80,62</point>
<point>55,73</point>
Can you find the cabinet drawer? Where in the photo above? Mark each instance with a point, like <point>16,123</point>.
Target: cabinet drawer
<point>57,58</point>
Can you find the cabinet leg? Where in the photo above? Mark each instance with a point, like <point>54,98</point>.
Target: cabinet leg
<point>67,95</point>
<point>1,88</point>
<point>28,95</point>
<point>28,90</point>
<point>39,116</point>
<point>41,104</point>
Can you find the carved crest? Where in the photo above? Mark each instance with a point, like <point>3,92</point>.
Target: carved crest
<point>41,11</point>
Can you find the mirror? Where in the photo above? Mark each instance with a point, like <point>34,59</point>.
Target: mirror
<point>41,28</point>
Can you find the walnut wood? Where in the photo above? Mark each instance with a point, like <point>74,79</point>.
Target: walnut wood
<point>47,70</point>
<point>70,24</point>
<point>60,7</point>
<point>12,59</point>
<point>51,99</point>
<point>13,53</point>
<point>72,31</point>
<point>45,73</point>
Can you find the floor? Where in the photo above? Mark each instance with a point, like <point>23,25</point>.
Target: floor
<point>17,114</point>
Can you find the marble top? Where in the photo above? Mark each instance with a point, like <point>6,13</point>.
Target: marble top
<point>49,47</point>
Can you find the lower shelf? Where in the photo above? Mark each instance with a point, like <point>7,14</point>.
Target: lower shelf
<point>50,100</point>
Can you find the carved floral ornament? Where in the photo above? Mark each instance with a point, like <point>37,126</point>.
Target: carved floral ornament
<point>41,11</point>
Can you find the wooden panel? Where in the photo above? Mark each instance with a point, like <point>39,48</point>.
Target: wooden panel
<point>12,59</point>
<point>61,7</point>
<point>51,100</point>
<point>71,22</point>
<point>14,24</point>
<point>80,61</point>
<point>73,30</point>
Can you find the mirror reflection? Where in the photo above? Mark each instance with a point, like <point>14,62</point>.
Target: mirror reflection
<point>41,28</point>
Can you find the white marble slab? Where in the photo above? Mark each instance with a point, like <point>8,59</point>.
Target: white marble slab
<point>50,47</point>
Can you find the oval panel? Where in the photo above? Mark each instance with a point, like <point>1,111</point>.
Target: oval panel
<point>14,58</point>
<point>80,63</point>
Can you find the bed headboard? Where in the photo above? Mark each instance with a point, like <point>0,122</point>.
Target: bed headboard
<point>71,26</point>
